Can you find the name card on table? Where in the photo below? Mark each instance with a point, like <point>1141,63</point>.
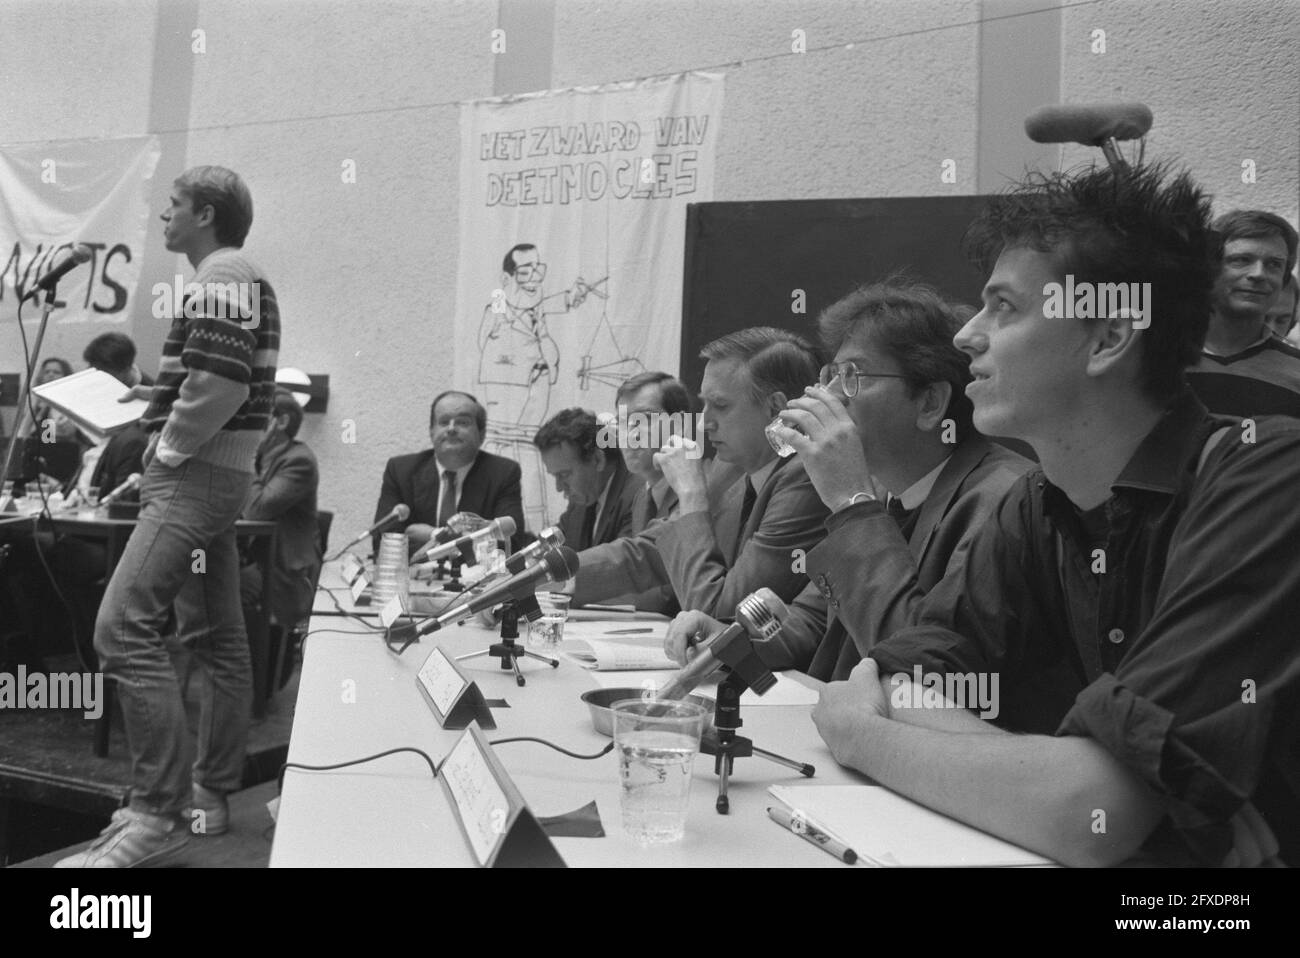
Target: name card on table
<point>393,610</point>
<point>351,568</point>
<point>359,587</point>
<point>455,700</point>
<point>500,829</point>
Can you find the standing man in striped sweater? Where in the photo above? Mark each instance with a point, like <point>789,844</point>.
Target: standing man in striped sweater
<point>206,416</point>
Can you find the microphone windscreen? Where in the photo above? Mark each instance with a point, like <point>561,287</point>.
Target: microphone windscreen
<point>506,527</point>
<point>402,511</point>
<point>1089,124</point>
<point>81,253</point>
<point>561,563</point>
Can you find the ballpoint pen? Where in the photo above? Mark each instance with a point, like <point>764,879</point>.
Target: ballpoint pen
<point>798,823</point>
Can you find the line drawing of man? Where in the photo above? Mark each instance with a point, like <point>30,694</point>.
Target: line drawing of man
<point>519,363</point>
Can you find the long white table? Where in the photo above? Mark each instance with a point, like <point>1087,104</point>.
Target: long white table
<point>357,698</point>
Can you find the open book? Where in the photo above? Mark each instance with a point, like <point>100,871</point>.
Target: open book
<point>89,400</point>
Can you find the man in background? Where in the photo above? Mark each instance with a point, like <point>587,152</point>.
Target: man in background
<point>746,519</point>
<point>456,475</point>
<point>1243,369</point>
<point>284,492</point>
<point>593,478</point>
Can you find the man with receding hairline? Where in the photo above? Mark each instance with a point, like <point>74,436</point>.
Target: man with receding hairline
<point>456,475</point>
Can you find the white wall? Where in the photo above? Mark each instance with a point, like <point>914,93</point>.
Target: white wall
<point>365,271</point>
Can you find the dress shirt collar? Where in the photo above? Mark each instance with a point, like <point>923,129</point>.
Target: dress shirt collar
<point>916,494</point>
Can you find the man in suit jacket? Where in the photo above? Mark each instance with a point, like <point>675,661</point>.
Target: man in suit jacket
<point>894,416</point>
<point>745,520</point>
<point>589,470</point>
<point>285,491</point>
<point>454,476</point>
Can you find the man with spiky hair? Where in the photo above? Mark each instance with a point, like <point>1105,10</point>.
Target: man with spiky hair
<point>1132,603</point>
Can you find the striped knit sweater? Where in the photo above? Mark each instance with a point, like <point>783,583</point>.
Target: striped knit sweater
<point>216,380</point>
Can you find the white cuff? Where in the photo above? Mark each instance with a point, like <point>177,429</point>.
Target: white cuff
<point>169,456</point>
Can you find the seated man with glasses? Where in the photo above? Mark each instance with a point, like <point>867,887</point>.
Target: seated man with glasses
<point>888,443</point>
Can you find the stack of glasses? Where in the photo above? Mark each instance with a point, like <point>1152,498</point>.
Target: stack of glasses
<point>391,570</point>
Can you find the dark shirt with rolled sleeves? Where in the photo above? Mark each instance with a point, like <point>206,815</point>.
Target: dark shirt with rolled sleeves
<point>1174,648</point>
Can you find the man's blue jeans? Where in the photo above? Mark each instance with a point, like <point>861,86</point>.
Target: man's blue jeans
<point>182,554</point>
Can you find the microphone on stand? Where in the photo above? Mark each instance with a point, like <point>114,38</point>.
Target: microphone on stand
<point>399,513</point>
<point>440,535</point>
<point>760,615</point>
<point>502,528</point>
<point>132,482</point>
<point>548,538</point>
<point>79,254</point>
<point>557,564</point>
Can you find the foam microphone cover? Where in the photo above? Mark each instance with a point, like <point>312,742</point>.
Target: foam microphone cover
<point>1089,124</point>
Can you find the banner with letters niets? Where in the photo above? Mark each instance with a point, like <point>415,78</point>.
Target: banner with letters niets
<point>572,219</point>
<point>57,194</point>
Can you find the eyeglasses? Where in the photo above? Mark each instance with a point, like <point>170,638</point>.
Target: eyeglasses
<point>525,272</point>
<point>849,375</point>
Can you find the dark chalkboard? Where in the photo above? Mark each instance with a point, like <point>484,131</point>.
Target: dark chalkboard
<point>745,260</point>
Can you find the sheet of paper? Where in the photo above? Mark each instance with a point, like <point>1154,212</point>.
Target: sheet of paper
<point>609,656</point>
<point>610,613</point>
<point>787,691</point>
<point>887,829</point>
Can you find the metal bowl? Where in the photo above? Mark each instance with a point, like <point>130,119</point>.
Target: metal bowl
<point>600,702</point>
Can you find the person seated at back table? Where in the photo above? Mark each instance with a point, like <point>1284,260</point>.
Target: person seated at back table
<point>1127,616</point>
<point>891,414</point>
<point>284,491</point>
<point>456,475</point>
<point>732,534</point>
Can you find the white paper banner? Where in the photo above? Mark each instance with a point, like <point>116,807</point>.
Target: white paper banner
<point>54,195</point>
<point>593,184</point>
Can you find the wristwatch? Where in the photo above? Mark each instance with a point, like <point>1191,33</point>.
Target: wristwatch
<point>855,499</point>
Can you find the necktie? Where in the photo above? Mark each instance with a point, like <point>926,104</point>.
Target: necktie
<point>588,528</point>
<point>447,505</point>
<point>746,507</point>
<point>651,510</point>
<point>906,518</point>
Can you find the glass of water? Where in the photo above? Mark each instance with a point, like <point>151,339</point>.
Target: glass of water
<point>657,742</point>
<point>546,634</point>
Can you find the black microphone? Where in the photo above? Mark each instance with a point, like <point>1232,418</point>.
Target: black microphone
<point>760,614</point>
<point>502,528</point>
<point>399,513</point>
<point>440,535</point>
<point>79,254</point>
<point>549,538</point>
<point>557,564</point>
<point>1089,124</point>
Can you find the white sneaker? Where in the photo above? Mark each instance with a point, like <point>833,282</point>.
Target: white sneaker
<point>131,839</point>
